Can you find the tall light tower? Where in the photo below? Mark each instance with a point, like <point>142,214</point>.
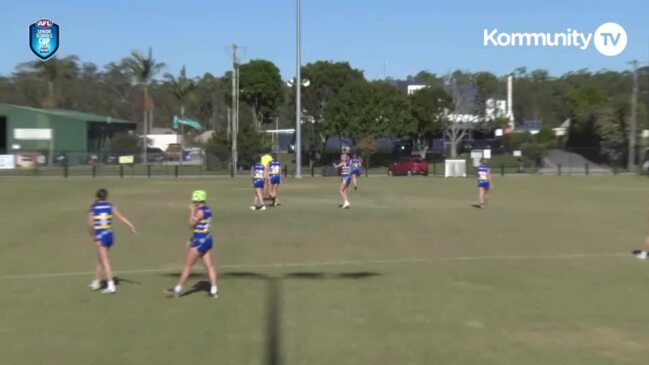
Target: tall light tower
<point>298,91</point>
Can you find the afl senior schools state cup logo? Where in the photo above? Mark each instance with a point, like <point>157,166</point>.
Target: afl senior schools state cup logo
<point>44,38</point>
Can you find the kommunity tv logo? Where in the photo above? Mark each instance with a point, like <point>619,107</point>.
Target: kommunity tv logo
<point>610,39</point>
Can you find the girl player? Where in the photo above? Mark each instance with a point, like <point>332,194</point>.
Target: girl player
<point>484,184</point>
<point>346,178</point>
<point>274,178</point>
<point>100,223</point>
<point>259,177</point>
<point>200,245</point>
<point>356,163</point>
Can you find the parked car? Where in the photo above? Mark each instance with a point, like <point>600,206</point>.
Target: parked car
<point>410,165</point>
<point>154,154</point>
<point>174,152</point>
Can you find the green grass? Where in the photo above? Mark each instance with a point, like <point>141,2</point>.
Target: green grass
<point>410,275</point>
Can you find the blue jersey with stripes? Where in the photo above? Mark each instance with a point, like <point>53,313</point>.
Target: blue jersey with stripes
<point>346,168</point>
<point>202,228</point>
<point>258,172</point>
<point>274,168</point>
<point>102,216</point>
<point>356,163</point>
<point>483,173</point>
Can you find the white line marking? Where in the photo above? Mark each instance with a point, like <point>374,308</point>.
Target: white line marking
<point>337,263</point>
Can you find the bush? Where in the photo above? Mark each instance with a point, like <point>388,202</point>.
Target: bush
<point>124,143</point>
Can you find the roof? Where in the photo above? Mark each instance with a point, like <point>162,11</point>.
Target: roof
<point>71,114</point>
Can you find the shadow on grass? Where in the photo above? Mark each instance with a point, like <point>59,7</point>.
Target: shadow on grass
<point>273,346</point>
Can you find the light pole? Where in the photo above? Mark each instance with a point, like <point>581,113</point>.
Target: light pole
<point>298,93</point>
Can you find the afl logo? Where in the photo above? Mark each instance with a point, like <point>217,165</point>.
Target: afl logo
<point>44,37</point>
<point>44,23</point>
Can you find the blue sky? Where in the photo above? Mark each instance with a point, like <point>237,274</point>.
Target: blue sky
<point>401,37</point>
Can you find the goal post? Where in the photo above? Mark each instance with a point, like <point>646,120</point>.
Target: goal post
<point>454,168</point>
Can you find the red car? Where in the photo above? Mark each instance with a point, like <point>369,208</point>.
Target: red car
<point>409,166</point>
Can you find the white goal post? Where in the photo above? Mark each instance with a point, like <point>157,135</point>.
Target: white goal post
<point>454,168</point>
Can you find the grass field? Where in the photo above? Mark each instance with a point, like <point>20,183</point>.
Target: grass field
<point>410,275</point>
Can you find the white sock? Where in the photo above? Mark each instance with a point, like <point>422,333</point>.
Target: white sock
<point>96,282</point>
<point>214,289</point>
<point>111,284</point>
<point>346,202</point>
<point>178,288</point>
<point>643,253</point>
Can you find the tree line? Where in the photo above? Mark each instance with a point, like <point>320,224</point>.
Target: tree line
<point>340,101</point>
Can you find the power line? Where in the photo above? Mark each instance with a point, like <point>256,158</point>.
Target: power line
<point>235,108</point>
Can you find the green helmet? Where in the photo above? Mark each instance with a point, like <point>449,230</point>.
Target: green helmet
<point>199,196</point>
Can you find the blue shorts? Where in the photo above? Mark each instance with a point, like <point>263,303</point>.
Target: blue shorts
<point>275,179</point>
<point>483,184</point>
<point>346,180</point>
<point>356,171</point>
<point>258,183</point>
<point>202,244</point>
<point>105,238</point>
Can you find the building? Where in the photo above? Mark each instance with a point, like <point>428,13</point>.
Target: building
<point>25,129</point>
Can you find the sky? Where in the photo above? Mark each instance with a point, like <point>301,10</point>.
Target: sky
<point>392,38</point>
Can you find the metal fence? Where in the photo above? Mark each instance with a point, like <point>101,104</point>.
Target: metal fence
<point>75,163</point>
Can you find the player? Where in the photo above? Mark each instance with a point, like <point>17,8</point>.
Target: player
<point>356,163</point>
<point>346,178</point>
<point>484,184</point>
<point>259,177</point>
<point>274,178</point>
<point>265,160</point>
<point>200,244</point>
<point>100,223</point>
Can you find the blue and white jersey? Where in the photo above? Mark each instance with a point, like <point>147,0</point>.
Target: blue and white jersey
<point>258,172</point>
<point>346,169</point>
<point>202,228</point>
<point>274,168</point>
<point>102,216</point>
<point>483,173</point>
<point>356,163</point>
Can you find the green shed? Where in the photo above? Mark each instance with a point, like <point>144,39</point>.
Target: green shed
<point>63,131</point>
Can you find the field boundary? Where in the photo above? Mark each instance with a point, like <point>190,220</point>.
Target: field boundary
<point>336,263</point>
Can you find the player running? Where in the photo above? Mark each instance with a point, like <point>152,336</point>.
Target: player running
<point>100,223</point>
<point>200,244</point>
<point>345,174</point>
<point>356,163</point>
<point>484,184</point>
<point>259,177</point>
<point>274,178</point>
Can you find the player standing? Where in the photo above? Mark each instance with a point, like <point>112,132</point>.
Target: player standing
<point>259,177</point>
<point>200,244</point>
<point>274,178</point>
<point>100,223</point>
<point>356,163</point>
<point>345,174</point>
<point>484,184</point>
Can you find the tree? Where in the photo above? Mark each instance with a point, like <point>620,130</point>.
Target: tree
<point>181,87</point>
<point>326,81</point>
<point>143,69</point>
<point>463,117</point>
<point>429,107</point>
<point>363,109</point>
<point>367,147</point>
<point>52,71</point>
<point>261,88</point>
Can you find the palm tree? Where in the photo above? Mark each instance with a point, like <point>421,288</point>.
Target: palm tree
<point>144,68</point>
<point>181,87</point>
<point>52,71</point>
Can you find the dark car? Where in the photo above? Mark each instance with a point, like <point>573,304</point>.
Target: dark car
<point>410,165</point>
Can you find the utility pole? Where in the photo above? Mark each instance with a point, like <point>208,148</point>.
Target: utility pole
<point>298,89</point>
<point>634,118</point>
<point>235,108</point>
